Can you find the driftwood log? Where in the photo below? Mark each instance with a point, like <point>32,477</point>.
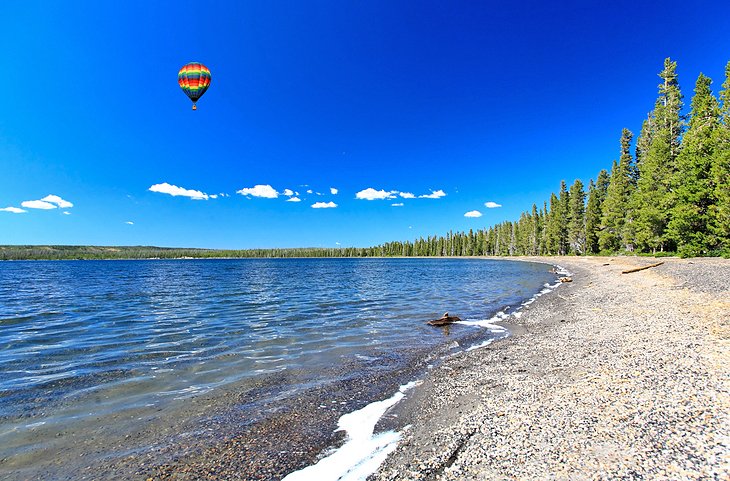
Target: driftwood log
<point>445,320</point>
<point>629,271</point>
<point>566,279</point>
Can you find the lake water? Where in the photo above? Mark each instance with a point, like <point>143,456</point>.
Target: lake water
<point>84,342</point>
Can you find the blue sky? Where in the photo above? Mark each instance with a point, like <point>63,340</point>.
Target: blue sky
<point>482,101</point>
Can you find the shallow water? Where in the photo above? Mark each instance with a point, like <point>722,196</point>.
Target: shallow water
<point>83,343</point>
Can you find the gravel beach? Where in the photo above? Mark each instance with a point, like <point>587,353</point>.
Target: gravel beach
<point>611,376</point>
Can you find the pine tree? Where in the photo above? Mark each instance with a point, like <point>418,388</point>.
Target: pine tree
<point>563,219</point>
<point>653,200</point>
<point>594,209</point>
<point>576,226</point>
<point>552,227</point>
<point>611,237</point>
<point>691,220</point>
<point>721,171</point>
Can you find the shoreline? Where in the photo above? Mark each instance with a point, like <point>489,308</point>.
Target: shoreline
<point>614,377</point>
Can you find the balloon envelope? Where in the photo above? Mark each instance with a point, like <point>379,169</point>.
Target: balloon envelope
<point>194,80</point>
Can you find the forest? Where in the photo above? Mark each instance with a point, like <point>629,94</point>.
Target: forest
<point>670,196</point>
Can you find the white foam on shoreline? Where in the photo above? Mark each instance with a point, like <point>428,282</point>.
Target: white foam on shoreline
<point>517,313</point>
<point>363,451</point>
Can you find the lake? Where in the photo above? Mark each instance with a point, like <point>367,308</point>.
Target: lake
<point>90,350</point>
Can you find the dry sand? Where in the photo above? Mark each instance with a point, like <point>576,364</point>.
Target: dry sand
<point>613,376</point>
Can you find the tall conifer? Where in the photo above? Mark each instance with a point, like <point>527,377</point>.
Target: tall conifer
<point>615,206</point>
<point>691,217</point>
<point>721,170</point>
<point>652,203</point>
<point>576,225</point>
<point>596,196</point>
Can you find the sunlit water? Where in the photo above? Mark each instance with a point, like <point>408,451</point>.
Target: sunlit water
<point>84,340</point>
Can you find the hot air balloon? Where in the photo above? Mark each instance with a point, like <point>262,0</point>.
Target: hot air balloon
<point>194,80</point>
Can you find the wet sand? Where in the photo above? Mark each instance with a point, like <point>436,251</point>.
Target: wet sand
<point>615,376</point>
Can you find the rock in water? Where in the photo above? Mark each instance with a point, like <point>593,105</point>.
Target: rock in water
<point>446,319</point>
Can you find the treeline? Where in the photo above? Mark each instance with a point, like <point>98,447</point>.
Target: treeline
<point>61,252</point>
<point>671,195</point>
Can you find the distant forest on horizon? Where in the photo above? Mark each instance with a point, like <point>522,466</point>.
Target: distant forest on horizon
<point>671,196</point>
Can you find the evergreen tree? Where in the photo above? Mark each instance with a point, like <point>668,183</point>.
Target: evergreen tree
<point>563,219</point>
<point>691,220</point>
<point>611,237</point>
<point>576,226</point>
<point>552,227</point>
<point>653,200</point>
<point>721,170</point>
<point>594,209</point>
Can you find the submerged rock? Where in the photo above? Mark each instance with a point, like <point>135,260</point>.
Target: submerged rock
<point>445,320</point>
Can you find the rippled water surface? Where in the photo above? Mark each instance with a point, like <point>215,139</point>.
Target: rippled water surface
<point>81,340</point>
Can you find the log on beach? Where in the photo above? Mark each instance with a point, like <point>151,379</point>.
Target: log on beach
<point>637,269</point>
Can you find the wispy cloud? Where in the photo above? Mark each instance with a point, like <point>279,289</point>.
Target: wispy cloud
<point>260,190</point>
<point>492,205</point>
<point>473,213</point>
<point>333,191</point>
<point>324,205</point>
<point>293,199</point>
<point>176,191</point>
<point>47,203</point>
<point>407,195</point>
<point>397,204</point>
<point>54,199</point>
<point>14,210</point>
<point>310,191</point>
<point>38,204</point>
<point>129,222</point>
<point>65,212</point>
<point>437,194</point>
<point>372,194</point>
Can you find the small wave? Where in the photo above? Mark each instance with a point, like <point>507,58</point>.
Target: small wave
<point>364,451</point>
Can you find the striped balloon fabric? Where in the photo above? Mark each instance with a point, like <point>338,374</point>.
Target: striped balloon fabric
<point>194,80</point>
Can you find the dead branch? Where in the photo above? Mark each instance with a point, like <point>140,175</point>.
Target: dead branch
<point>629,271</point>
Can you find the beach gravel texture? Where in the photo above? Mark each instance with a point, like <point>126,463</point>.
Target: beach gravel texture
<point>614,376</point>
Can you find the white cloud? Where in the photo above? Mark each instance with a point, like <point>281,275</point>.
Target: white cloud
<point>65,212</point>
<point>407,195</point>
<point>129,222</point>
<point>433,195</point>
<point>38,204</point>
<point>14,210</point>
<point>333,191</point>
<point>288,192</point>
<point>397,204</point>
<point>213,196</point>
<point>473,213</point>
<point>176,191</point>
<point>372,194</point>
<point>265,191</point>
<point>492,205</point>
<point>324,205</point>
<point>337,243</point>
<point>54,199</point>
<point>293,199</point>
<point>309,191</point>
